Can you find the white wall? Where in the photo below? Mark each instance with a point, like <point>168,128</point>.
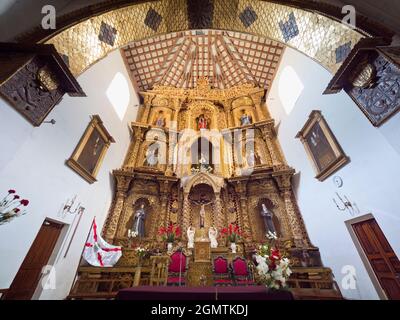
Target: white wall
<point>371,179</point>
<point>32,161</point>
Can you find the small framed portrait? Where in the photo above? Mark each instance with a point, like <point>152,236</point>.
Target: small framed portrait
<point>88,155</point>
<point>321,146</point>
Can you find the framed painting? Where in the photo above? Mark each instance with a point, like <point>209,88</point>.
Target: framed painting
<point>88,155</point>
<point>321,146</point>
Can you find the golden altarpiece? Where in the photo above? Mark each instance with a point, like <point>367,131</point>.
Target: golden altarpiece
<point>180,128</point>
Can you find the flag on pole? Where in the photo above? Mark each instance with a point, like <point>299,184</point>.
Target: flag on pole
<point>99,253</point>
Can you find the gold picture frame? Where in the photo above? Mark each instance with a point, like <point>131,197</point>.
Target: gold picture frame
<point>321,146</point>
<point>89,154</point>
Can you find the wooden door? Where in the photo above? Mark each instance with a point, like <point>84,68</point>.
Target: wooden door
<point>28,276</point>
<point>381,256</point>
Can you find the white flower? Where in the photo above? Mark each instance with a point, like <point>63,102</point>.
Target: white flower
<point>271,235</point>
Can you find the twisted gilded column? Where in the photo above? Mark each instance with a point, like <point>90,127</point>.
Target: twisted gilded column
<point>186,214</point>
<point>296,225</point>
<point>293,218</point>
<point>220,219</point>
<point>270,140</point>
<point>111,225</point>
<point>131,159</point>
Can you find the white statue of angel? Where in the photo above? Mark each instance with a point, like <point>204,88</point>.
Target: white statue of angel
<point>190,234</point>
<point>212,234</point>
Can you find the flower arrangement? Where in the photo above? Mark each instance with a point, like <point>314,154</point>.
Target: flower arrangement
<point>171,233</point>
<point>272,267</point>
<point>233,233</point>
<point>140,251</point>
<point>10,207</point>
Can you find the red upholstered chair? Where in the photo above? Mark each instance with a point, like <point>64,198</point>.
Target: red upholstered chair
<point>221,272</point>
<point>177,269</point>
<point>241,274</point>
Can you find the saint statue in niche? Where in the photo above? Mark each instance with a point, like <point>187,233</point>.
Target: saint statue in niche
<point>160,122</point>
<point>245,119</point>
<point>138,221</point>
<point>151,158</point>
<point>202,122</point>
<point>267,217</point>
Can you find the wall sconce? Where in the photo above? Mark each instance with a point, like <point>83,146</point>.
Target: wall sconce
<point>346,204</point>
<point>78,211</point>
<point>68,207</point>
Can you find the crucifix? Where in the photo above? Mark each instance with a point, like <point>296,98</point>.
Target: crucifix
<point>202,202</point>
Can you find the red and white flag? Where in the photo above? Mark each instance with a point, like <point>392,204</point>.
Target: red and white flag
<point>99,253</point>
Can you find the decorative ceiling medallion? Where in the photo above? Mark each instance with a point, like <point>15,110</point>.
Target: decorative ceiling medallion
<point>153,19</point>
<point>289,28</point>
<point>364,76</point>
<point>47,79</point>
<point>248,16</point>
<point>107,34</point>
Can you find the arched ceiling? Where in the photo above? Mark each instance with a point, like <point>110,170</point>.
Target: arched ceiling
<point>226,58</point>
<point>319,37</point>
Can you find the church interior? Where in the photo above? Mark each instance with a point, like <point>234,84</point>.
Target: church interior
<point>172,147</point>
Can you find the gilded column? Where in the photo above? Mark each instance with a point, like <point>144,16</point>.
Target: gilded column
<point>270,138</point>
<point>146,112</point>
<point>135,146</point>
<point>186,221</point>
<point>293,218</point>
<point>246,228</point>
<point>172,141</point>
<point>257,105</point>
<point>220,219</point>
<point>112,224</point>
<point>296,224</point>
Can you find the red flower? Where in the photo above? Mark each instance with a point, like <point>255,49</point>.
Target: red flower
<point>11,191</point>
<point>16,197</point>
<point>24,202</point>
<point>17,210</point>
<point>275,254</point>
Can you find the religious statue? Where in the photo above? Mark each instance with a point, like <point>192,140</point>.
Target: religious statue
<point>190,234</point>
<point>202,216</point>
<point>203,163</point>
<point>202,122</point>
<point>252,158</point>
<point>267,217</point>
<point>202,202</point>
<point>212,234</point>
<point>138,222</point>
<point>151,158</point>
<point>160,122</point>
<point>245,119</point>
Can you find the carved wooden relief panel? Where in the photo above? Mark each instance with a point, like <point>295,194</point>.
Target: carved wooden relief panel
<point>34,79</point>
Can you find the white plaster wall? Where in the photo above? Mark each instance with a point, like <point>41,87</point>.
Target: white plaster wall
<point>371,179</point>
<point>32,161</point>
